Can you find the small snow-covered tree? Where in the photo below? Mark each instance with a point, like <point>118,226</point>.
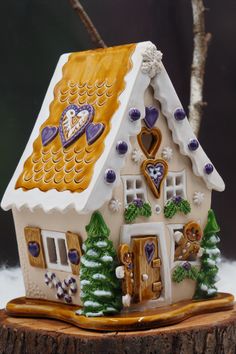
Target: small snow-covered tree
<point>100,289</point>
<point>210,258</point>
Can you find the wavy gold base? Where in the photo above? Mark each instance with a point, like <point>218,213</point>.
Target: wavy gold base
<point>23,307</point>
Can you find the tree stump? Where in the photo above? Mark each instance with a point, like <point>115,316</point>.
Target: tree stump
<point>206,333</point>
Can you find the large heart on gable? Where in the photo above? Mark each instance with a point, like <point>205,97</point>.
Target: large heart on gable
<point>73,122</point>
<point>155,172</point>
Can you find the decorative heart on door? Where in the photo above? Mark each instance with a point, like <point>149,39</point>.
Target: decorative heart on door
<point>149,251</point>
<point>149,141</point>
<point>73,122</point>
<point>155,172</point>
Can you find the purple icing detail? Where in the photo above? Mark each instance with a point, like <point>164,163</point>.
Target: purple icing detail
<point>53,275</point>
<point>72,280</point>
<point>58,285</point>
<point>134,114</point>
<point>48,134</point>
<point>156,172</point>
<point>60,295</point>
<point>68,299</point>
<point>74,108</point>
<point>179,114</point>
<point>193,144</point>
<point>93,132</point>
<point>34,249</point>
<point>121,147</point>
<point>73,256</point>
<point>110,176</point>
<point>65,283</point>
<point>208,168</point>
<point>177,199</point>
<point>151,116</point>
<point>187,266</point>
<point>74,291</point>
<point>138,202</point>
<point>149,251</point>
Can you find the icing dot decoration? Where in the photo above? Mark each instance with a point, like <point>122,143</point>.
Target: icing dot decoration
<point>114,205</point>
<point>134,114</point>
<point>179,114</point>
<point>110,176</point>
<point>136,156</point>
<point>208,168</point>
<point>121,147</point>
<point>193,144</point>
<point>157,209</point>
<point>198,198</point>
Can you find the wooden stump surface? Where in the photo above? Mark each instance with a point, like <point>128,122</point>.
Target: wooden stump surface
<point>206,333</point>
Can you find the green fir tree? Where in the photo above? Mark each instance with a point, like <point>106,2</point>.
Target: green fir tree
<point>207,276</point>
<point>100,289</point>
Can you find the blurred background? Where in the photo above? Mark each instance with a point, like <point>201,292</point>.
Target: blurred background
<point>34,33</point>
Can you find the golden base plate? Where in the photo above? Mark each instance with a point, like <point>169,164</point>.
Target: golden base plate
<point>125,321</point>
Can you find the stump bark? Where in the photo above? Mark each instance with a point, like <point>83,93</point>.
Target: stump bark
<point>206,333</point>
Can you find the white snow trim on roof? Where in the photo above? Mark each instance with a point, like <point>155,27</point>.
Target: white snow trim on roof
<point>98,192</point>
<point>182,131</point>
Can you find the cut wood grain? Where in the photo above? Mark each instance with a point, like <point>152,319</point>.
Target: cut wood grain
<point>213,333</point>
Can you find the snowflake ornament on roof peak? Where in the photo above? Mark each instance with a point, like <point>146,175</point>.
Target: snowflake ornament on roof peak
<point>151,61</point>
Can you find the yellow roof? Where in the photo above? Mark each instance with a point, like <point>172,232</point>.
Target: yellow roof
<point>94,77</point>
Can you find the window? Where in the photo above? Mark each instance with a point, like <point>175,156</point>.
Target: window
<point>55,248</point>
<point>175,185</point>
<point>134,187</point>
<point>176,232</point>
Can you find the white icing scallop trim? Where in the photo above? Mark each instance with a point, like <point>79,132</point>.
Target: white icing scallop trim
<point>182,131</point>
<point>122,128</point>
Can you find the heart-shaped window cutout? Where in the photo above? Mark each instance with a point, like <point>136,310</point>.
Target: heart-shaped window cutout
<point>149,141</point>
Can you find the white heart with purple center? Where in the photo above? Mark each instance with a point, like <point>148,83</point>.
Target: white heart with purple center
<point>74,121</point>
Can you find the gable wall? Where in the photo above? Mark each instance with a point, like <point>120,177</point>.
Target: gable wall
<point>193,184</point>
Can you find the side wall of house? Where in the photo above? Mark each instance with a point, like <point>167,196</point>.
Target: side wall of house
<point>71,221</point>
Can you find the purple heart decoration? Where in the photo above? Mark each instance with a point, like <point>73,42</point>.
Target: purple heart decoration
<point>151,116</point>
<point>149,251</point>
<point>156,172</point>
<point>93,132</point>
<point>34,248</point>
<point>73,256</point>
<point>48,134</point>
<point>73,122</point>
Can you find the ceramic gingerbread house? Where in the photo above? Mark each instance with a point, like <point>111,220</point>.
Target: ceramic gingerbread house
<point>111,198</point>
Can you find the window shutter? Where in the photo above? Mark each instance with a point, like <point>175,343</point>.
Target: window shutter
<point>74,251</point>
<point>35,247</point>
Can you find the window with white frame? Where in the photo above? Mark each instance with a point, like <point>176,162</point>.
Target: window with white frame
<point>55,249</point>
<point>175,185</point>
<point>134,187</point>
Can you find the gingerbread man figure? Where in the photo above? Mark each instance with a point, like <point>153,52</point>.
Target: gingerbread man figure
<point>125,272</point>
<point>188,242</point>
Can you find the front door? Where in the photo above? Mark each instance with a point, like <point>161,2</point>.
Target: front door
<point>146,268</point>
